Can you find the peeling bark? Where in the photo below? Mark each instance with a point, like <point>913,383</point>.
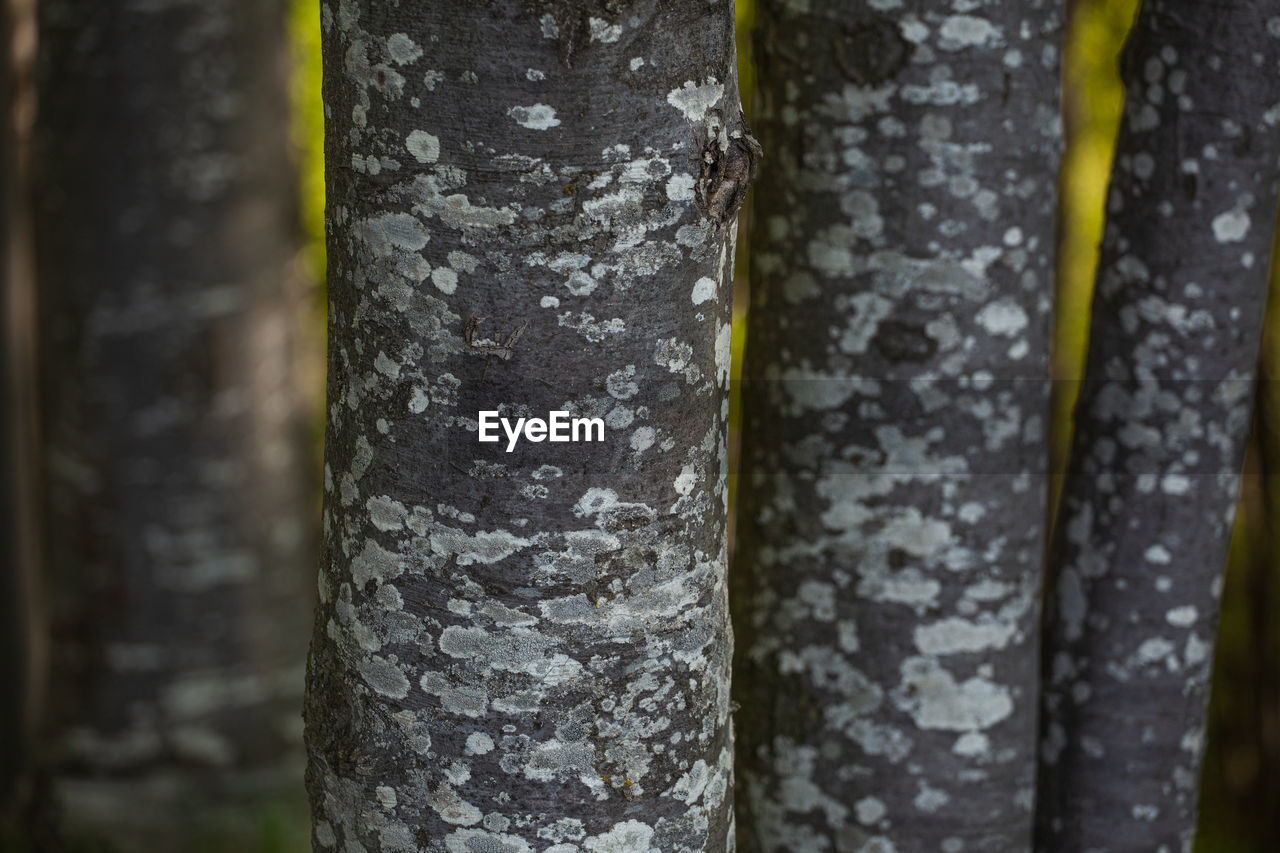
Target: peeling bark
<point>529,210</point>
<point>887,579</point>
<point>178,519</point>
<point>1160,430</point>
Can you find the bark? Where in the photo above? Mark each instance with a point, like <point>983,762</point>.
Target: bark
<point>530,208</point>
<point>179,510</point>
<point>893,481</point>
<point>1160,429</point>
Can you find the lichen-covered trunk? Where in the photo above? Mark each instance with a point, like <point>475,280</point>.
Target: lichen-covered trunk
<point>178,523</point>
<point>887,577</point>
<point>530,209</point>
<point>1160,429</point>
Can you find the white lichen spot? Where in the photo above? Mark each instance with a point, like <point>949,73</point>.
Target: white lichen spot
<point>1003,317</point>
<point>685,482</point>
<point>935,700</point>
<point>960,31</point>
<point>384,513</point>
<point>695,99</point>
<point>1144,165</point>
<point>535,117</point>
<point>930,799</point>
<point>424,147</point>
<point>477,840</point>
<point>402,49</point>
<point>1145,812</point>
<point>1153,650</point>
<point>445,279</point>
<point>603,31</point>
<point>724,344</point>
<point>1196,651</point>
<point>384,676</point>
<point>386,366</point>
<point>386,796</point>
<point>680,187</point>
<point>419,400</point>
<point>630,836</point>
<point>1230,227</point>
<point>483,547</point>
<point>869,810</point>
<point>868,310</point>
<point>642,439</point>
<point>972,745</point>
<point>479,743</point>
<point>704,289</point>
<point>954,635</point>
<point>393,231</point>
<point>1181,617</point>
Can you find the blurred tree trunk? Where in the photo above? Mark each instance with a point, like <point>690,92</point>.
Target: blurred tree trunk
<point>13,639</point>
<point>23,646</point>
<point>896,387</point>
<point>1160,430</point>
<point>179,512</point>
<point>531,208</point>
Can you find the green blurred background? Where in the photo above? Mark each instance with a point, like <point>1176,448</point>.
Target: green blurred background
<point>1240,801</point>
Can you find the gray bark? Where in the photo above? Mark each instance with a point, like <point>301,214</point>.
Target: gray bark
<point>1160,429</point>
<point>530,208</point>
<point>888,571</point>
<point>178,526</point>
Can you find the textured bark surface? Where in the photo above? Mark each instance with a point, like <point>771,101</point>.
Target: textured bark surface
<point>1160,429</point>
<point>179,515</point>
<point>530,209</point>
<point>886,586</point>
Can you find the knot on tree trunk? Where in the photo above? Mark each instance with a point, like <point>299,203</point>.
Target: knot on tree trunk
<point>730,160</point>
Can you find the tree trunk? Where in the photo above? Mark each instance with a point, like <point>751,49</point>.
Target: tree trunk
<point>22,646</point>
<point>531,209</point>
<point>179,515</point>
<point>13,634</point>
<point>1160,430</point>
<point>886,592</point>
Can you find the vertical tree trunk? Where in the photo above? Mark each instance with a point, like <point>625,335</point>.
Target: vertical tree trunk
<point>1160,429</point>
<point>178,524</point>
<point>22,646</point>
<point>893,454</point>
<point>13,641</point>
<point>530,209</point>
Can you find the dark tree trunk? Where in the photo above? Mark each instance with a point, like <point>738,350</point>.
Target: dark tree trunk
<point>886,591</point>
<point>179,515</point>
<point>22,645</point>
<point>531,208</point>
<point>1160,429</point>
<point>13,634</point>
